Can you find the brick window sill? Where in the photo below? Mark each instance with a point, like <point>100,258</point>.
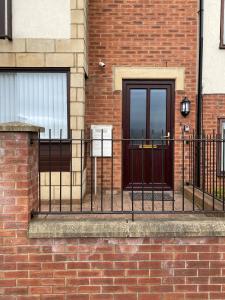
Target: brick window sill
<point>193,226</point>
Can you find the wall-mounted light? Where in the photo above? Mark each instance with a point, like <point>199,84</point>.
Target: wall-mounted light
<point>185,107</point>
<point>101,64</point>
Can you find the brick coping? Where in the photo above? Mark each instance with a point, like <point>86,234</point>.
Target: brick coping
<point>19,127</point>
<point>102,228</point>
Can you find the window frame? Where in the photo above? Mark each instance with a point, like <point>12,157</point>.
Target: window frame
<point>222,24</point>
<point>46,70</point>
<point>6,19</point>
<point>54,143</point>
<point>220,172</point>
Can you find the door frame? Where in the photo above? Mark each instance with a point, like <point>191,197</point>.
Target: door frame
<point>140,82</point>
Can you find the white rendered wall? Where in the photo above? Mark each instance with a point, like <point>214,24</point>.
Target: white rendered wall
<point>41,19</point>
<point>214,58</point>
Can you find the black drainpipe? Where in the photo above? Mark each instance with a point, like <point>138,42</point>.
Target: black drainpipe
<point>199,95</point>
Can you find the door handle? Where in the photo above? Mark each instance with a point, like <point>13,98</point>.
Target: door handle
<point>167,136</point>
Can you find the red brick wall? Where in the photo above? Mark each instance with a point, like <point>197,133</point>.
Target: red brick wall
<point>110,269</point>
<point>18,177</point>
<point>93,269</point>
<point>154,33</point>
<point>213,109</point>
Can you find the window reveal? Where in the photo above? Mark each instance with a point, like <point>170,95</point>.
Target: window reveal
<point>6,19</point>
<point>222,25</point>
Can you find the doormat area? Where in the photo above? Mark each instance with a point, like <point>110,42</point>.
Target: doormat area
<point>149,196</point>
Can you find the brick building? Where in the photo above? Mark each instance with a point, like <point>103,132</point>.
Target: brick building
<point>48,49</point>
<point>106,192</point>
<point>158,47</point>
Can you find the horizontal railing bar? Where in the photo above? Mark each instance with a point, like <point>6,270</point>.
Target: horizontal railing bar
<point>134,140</point>
<point>145,212</point>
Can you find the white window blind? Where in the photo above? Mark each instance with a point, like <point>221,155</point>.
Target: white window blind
<point>35,98</point>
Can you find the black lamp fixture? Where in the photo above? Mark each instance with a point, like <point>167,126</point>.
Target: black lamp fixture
<point>185,107</point>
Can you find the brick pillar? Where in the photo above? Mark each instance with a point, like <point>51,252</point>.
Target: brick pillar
<point>18,175</point>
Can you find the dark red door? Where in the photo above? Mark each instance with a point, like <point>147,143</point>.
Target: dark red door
<point>148,116</point>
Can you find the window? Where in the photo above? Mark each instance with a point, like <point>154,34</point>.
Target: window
<point>38,98</point>
<point>222,25</point>
<point>221,150</point>
<point>6,19</point>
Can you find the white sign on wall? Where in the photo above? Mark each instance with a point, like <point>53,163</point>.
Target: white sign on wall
<point>101,144</point>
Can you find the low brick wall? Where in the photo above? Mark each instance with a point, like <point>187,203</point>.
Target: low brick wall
<point>18,178</point>
<point>112,269</point>
<point>93,268</point>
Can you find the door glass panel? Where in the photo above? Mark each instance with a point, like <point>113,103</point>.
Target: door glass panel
<point>157,114</point>
<point>138,99</point>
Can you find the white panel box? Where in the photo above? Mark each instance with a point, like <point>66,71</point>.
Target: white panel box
<point>102,140</point>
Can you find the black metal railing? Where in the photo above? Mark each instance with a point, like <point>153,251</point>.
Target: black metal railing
<point>131,176</point>
<point>211,168</point>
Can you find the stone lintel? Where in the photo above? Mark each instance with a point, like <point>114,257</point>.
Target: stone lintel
<point>145,73</point>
